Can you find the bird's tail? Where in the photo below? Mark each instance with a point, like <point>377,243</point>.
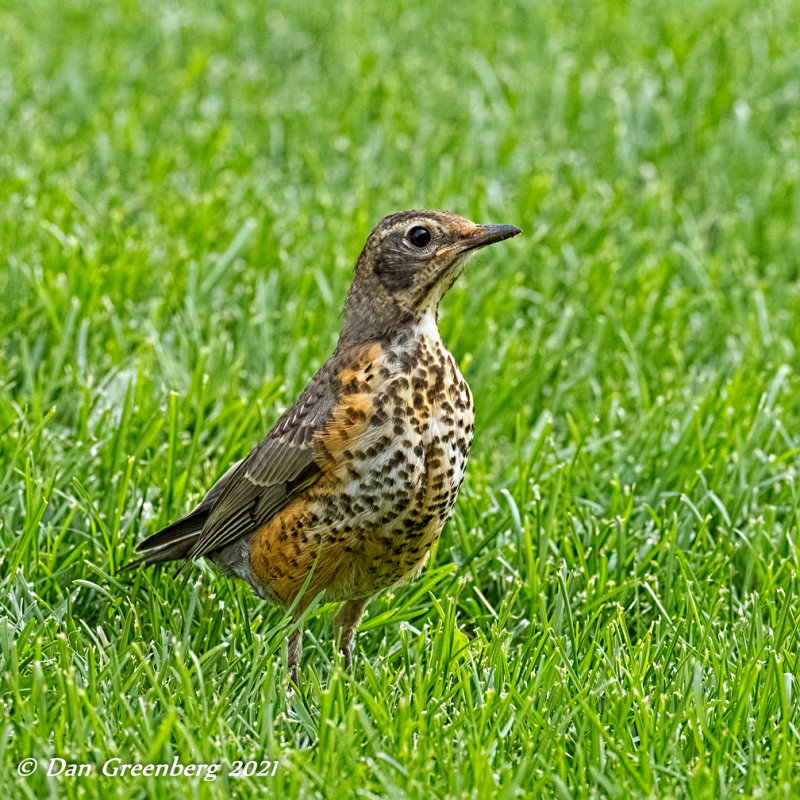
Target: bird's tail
<point>172,543</point>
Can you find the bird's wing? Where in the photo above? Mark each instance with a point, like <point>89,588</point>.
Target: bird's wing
<point>279,468</point>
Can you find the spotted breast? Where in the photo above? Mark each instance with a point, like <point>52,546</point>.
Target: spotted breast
<point>394,452</point>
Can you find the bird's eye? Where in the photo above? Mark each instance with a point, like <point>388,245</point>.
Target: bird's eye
<point>419,236</point>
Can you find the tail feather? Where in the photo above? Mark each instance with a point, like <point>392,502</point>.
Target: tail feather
<point>192,523</point>
<point>171,543</point>
<point>176,541</point>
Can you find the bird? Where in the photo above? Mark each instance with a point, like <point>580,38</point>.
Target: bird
<point>356,479</point>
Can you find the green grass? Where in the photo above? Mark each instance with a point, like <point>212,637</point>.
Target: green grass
<point>613,609</point>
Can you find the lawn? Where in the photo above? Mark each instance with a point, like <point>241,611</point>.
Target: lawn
<point>613,609</point>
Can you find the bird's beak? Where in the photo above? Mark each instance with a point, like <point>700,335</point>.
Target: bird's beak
<point>487,234</point>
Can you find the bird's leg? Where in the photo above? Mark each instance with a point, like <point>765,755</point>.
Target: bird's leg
<point>295,652</point>
<point>345,623</point>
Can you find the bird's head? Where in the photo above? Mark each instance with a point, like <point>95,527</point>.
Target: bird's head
<point>408,262</point>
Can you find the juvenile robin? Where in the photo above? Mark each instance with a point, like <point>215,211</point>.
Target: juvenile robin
<point>357,478</point>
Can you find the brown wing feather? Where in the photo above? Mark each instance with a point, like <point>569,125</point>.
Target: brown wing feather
<point>279,468</point>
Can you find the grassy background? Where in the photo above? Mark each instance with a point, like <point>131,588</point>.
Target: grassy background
<point>184,187</point>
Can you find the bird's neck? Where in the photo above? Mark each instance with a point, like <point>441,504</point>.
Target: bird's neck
<point>398,338</point>
<point>368,321</point>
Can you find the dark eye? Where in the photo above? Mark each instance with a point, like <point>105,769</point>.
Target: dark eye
<point>419,236</point>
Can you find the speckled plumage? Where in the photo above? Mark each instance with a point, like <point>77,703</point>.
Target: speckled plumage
<point>394,458</point>
<point>358,477</point>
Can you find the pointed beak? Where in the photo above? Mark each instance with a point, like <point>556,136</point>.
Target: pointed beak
<point>488,234</point>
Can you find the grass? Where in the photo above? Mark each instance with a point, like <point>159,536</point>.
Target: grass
<point>613,609</point>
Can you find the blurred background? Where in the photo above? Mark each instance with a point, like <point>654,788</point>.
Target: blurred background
<point>184,188</point>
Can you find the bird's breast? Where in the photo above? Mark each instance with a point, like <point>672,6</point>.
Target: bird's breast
<point>395,455</point>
